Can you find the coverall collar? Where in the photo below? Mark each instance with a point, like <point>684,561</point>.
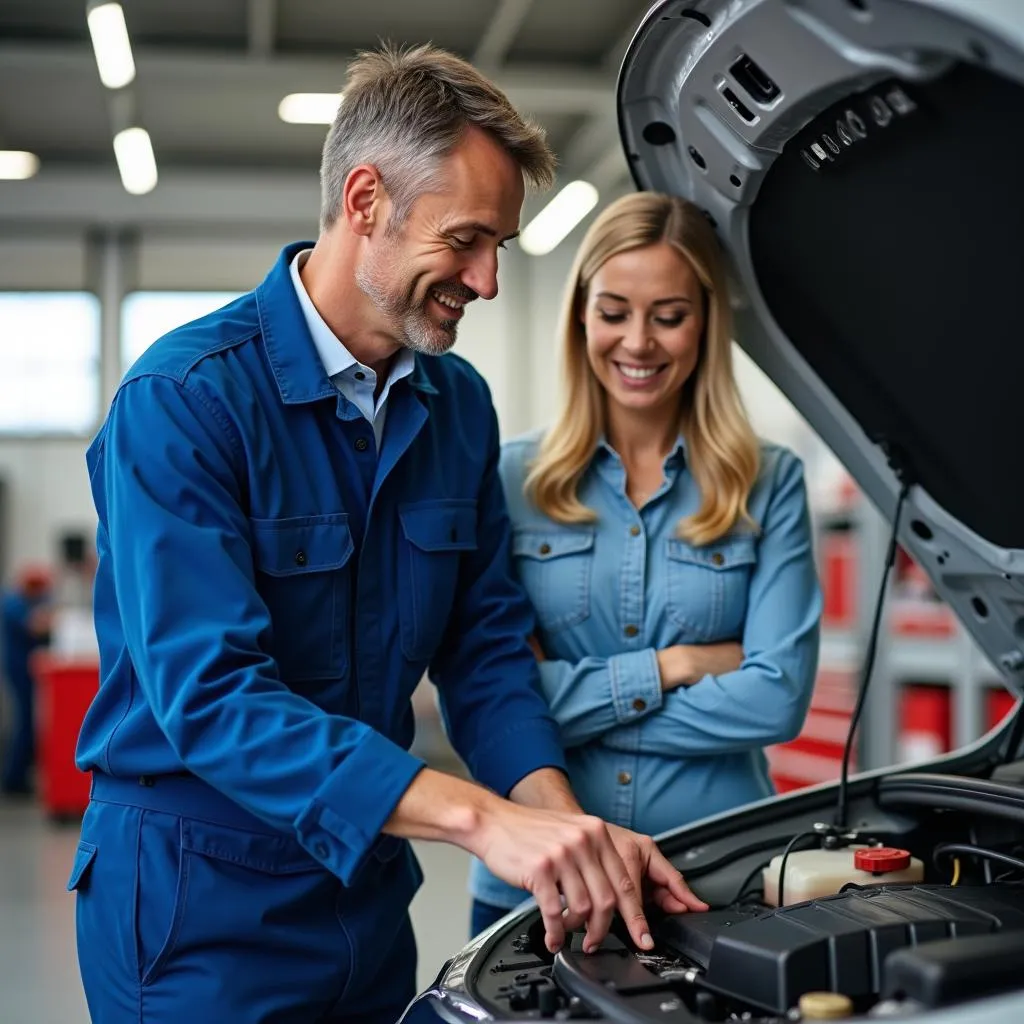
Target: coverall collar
<point>298,368</point>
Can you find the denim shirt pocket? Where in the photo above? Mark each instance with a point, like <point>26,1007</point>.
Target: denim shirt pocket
<point>707,586</point>
<point>556,567</point>
<point>436,535</point>
<point>304,577</point>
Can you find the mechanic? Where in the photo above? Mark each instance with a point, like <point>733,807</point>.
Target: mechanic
<point>27,617</point>
<point>299,514</point>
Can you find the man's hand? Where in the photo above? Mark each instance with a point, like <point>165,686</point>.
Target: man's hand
<point>551,850</point>
<point>554,853</point>
<point>647,864</point>
<point>686,664</point>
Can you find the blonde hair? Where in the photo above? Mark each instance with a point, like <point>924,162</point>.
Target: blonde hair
<point>723,453</point>
<point>404,111</point>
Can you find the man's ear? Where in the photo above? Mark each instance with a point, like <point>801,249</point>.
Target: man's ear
<point>363,199</point>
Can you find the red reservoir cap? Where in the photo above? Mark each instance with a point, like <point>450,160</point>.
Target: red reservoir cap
<point>879,859</point>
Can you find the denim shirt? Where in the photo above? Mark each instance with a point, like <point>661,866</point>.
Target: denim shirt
<point>270,591</point>
<point>609,595</point>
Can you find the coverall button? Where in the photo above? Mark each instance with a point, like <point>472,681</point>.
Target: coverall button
<point>718,558</point>
<point>625,778</point>
<point>631,631</point>
<point>362,444</point>
<point>300,558</point>
<point>634,531</point>
<point>639,704</point>
<point>545,549</point>
<point>320,849</point>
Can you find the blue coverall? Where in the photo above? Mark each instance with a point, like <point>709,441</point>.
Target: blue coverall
<point>269,593</point>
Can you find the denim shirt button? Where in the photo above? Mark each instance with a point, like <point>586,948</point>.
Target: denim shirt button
<point>625,778</point>
<point>718,558</point>
<point>631,631</point>
<point>639,704</point>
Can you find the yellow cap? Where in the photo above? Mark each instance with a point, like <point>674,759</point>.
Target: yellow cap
<point>825,1006</point>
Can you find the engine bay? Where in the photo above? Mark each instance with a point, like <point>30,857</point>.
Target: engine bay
<point>872,950</point>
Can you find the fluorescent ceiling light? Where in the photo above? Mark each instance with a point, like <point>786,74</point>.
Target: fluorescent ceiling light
<point>135,160</point>
<point>17,165</point>
<point>558,218</point>
<point>111,45</point>
<point>309,107</point>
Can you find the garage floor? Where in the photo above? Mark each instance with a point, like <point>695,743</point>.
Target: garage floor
<point>39,981</point>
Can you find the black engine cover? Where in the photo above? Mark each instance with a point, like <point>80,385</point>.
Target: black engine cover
<point>838,943</point>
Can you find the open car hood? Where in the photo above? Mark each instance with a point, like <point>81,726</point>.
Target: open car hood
<point>861,160</point>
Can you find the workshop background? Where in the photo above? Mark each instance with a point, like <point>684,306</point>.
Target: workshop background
<point>143,185</point>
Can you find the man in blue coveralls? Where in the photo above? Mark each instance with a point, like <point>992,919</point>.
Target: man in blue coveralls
<point>300,514</point>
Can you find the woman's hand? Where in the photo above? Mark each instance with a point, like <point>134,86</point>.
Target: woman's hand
<point>686,664</point>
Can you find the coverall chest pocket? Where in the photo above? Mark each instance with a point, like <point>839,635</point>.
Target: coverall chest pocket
<point>556,568</point>
<point>436,535</point>
<point>707,587</point>
<point>304,577</point>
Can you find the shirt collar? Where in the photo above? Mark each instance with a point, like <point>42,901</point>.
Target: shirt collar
<point>675,458</point>
<point>333,354</point>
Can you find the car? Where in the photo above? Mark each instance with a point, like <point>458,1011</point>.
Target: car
<point>861,161</point>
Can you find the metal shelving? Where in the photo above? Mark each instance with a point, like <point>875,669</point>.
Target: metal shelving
<point>932,688</point>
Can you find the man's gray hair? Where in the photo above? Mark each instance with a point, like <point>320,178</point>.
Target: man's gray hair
<point>404,111</point>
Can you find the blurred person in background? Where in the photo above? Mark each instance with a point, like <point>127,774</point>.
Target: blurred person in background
<point>26,627</point>
<point>667,553</point>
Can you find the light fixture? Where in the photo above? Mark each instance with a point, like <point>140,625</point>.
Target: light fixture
<point>111,45</point>
<point>135,160</point>
<point>309,107</point>
<point>558,218</point>
<point>17,165</point>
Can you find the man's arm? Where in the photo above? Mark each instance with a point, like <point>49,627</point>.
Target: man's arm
<point>550,852</point>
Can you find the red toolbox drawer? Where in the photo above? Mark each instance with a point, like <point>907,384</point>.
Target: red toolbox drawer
<point>64,691</point>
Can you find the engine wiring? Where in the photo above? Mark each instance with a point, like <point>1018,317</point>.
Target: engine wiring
<point>966,850</point>
<point>842,806</point>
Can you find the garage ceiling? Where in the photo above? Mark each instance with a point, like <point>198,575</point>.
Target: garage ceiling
<point>211,73</point>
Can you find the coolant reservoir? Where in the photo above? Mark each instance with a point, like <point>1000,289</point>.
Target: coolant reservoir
<point>811,874</point>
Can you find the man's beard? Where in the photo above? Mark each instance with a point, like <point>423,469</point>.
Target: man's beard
<point>413,326</point>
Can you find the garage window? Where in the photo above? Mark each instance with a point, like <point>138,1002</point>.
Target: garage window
<point>49,363</point>
<point>146,316</point>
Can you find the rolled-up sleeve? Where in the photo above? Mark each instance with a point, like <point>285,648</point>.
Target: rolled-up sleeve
<point>485,671</point>
<point>766,700</point>
<point>169,480</point>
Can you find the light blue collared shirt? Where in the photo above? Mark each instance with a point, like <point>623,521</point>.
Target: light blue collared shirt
<point>356,382</point>
<point>609,595</point>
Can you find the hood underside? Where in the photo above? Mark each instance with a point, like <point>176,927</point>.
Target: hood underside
<point>861,160</point>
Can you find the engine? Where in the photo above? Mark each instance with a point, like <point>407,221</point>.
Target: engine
<point>867,944</point>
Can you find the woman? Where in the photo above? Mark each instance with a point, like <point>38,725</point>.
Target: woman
<point>667,553</point>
